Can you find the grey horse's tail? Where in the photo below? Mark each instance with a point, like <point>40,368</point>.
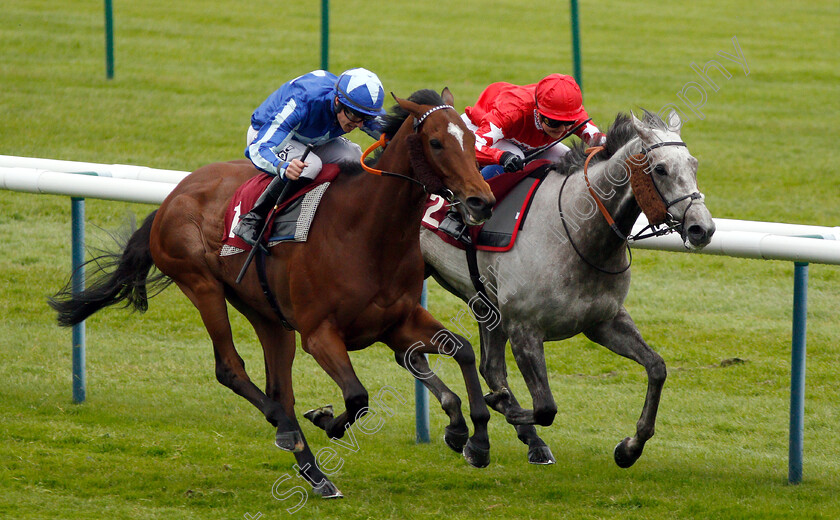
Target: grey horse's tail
<point>117,277</point>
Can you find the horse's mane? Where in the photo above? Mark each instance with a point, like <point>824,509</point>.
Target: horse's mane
<point>393,121</point>
<point>620,133</point>
<point>391,124</point>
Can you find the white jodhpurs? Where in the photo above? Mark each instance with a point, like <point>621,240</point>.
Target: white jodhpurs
<point>335,150</point>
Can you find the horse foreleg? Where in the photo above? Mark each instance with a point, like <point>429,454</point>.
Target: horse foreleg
<point>456,432</point>
<point>493,368</point>
<point>208,297</point>
<point>279,352</point>
<point>622,337</point>
<point>328,349</point>
<point>421,333</point>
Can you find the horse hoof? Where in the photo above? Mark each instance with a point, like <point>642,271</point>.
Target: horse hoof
<point>327,490</point>
<point>455,439</point>
<point>317,413</point>
<point>540,455</point>
<point>289,441</point>
<point>475,456</point>
<point>623,457</point>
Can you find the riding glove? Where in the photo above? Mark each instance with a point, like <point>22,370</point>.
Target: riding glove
<point>511,162</point>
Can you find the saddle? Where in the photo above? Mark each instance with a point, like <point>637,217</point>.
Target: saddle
<point>513,191</point>
<point>291,221</point>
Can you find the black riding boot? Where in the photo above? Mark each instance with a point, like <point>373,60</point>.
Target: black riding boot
<point>453,225</point>
<point>249,226</point>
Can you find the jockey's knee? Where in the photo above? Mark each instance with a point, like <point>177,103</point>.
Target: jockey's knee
<point>313,168</point>
<point>488,172</point>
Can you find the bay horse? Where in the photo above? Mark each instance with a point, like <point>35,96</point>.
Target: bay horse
<point>568,272</point>
<point>355,281</point>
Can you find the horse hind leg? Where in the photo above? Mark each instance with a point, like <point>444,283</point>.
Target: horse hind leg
<point>529,352</point>
<point>622,337</point>
<point>279,354</point>
<point>421,333</point>
<point>493,368</point>
<point>208,297</point>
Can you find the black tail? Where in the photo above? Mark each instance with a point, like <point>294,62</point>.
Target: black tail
<point>117,277</point>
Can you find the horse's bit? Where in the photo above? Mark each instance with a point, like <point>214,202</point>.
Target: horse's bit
<point>672,225</point>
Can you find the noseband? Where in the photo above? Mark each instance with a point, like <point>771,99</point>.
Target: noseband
<point>672,224</point>
<point>693,196</point>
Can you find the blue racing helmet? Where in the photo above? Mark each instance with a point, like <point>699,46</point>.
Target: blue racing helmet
<point>361,90</point>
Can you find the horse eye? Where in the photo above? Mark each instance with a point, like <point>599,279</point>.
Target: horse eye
<point>434,143</point>
<point>660,170</point>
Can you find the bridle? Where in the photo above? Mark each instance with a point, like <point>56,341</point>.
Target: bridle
<point>671,223</point>
<point>446,193</point>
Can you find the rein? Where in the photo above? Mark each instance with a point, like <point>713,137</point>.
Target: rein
<point>383,141</point>
<point>591,153</point>
<point>672,226</point>
<point>380,144</point>
<point>568,234</point>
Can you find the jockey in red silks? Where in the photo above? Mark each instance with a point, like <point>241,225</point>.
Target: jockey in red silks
<point>511,120</point>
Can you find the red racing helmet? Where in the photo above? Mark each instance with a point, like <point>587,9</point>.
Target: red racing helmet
<point>558,97</point>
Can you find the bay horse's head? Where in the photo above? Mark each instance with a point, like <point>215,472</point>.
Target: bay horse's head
<point>672,173</point>
<point>442,150</point>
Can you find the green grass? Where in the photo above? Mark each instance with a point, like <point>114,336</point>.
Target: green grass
<point>159,438</point>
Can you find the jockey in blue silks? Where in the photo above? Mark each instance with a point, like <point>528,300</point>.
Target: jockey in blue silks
<point>315,109</point>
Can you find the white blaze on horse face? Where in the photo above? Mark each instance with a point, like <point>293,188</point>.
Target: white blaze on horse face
<point>457,133</point>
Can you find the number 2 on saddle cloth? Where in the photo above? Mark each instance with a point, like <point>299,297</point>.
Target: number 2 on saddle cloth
<point>513,192</point>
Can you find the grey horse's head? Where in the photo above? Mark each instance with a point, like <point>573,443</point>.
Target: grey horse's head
<point>673,171</point>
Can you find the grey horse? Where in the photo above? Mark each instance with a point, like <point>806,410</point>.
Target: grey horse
<point>568,272</point>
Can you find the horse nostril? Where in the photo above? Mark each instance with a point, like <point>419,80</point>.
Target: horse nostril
<point>479,207</point>
<point>697,234</point>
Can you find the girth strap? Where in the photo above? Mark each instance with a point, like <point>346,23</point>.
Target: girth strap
<point>272,301</point>
<point>475,276</point>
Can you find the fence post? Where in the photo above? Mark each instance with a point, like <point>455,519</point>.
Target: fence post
<point>325,34</point>
<point>421,394</point>
<point>797,372</point>
<point>78,285</point>
<point>109,39</point>
<point>576,44</point>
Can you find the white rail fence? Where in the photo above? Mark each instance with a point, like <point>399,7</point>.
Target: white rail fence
<point>736,238</point>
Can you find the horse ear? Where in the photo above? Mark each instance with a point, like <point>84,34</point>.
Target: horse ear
<point>674,122</point>
<point>407,105</point>
<point>641,128</point>
<point>447,96</point>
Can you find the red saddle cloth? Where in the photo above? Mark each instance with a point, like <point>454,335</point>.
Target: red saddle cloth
<point>247,194</point>
<point>513,192</point>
